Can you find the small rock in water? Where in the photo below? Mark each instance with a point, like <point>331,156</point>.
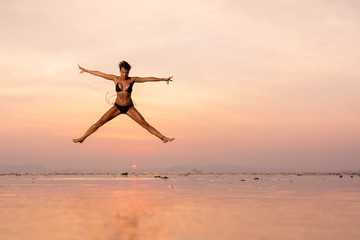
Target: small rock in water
<point>125,174</point>
<point>340,176</point>
<point>256,178</point>
<point>242,180</point>
<point>162,177</point>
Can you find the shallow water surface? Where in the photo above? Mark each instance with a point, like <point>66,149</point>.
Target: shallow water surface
<point>238,206</point>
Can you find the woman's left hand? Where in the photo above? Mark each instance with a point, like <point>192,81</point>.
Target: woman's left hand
<point>168,79</point>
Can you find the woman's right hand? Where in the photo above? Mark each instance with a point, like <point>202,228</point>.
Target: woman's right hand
<point>81,69</point>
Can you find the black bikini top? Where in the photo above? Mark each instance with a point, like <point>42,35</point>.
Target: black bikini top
<point>129,89</point>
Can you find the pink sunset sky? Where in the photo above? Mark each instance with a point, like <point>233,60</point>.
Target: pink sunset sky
<point>257,84</point>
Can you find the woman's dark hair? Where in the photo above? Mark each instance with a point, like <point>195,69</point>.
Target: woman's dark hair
<point>125,65</point>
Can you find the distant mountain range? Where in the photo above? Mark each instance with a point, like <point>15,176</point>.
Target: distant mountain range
<point>179,168</point>
<point>23,168</point>
<point>223,168</point>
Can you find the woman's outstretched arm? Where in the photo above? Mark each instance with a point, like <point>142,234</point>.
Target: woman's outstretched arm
<point>152,79</point>
<point>97,73</point>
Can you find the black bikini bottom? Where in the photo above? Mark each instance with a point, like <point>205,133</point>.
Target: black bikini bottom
<point>123,109</point>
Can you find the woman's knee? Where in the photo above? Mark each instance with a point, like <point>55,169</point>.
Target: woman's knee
<point>145,124</point>
<point>100,123</point>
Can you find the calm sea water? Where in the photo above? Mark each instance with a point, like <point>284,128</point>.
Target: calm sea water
<point>204,206</point>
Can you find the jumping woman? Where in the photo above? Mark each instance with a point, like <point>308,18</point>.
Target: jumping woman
<point>123,103</point>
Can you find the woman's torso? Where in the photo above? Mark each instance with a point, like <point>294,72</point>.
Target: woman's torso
<point>123,89</point>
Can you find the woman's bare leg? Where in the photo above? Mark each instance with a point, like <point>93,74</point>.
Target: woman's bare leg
<point>110,114</point>
<point>135,115</point>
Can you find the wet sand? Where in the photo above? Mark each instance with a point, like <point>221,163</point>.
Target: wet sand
<point>184,206</point>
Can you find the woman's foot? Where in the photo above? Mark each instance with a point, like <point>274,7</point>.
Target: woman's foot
<point>78,140</point>
<point>166,139</point>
